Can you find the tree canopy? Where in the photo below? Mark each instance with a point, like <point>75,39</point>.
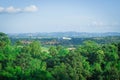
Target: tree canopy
<point>89,61</point>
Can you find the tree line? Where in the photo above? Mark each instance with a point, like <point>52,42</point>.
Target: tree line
<point>89,61</point>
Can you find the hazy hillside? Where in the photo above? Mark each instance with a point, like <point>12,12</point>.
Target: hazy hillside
<point>62,34</point>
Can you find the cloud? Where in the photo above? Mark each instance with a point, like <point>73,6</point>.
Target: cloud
<point>31,8</point>
<point>1,9</point>
<point>11,9</point>
<point>98,23</point>
<point>101,23</point>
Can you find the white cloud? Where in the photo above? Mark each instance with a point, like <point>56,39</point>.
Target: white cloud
<point>1,9</point>
<point>31,8</point>
<point>11,9</point>
<point>98,23</point>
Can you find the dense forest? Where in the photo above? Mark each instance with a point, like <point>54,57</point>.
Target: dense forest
<point>87,61</point>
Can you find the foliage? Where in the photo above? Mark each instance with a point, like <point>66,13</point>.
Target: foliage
<point>89,61</point>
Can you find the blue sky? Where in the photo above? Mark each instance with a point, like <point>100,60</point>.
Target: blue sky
<point>25,16</point>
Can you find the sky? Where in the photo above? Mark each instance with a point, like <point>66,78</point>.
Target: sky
<point>30,16</point>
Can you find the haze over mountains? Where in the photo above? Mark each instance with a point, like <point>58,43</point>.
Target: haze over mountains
<point>61,34</point>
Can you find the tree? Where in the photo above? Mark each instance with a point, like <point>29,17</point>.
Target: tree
<point>53,51</point>
<point>35,49</point>
<point>62,51</point>
<point>4,40</point>
<point>60,72</point>
<point>77,66</point>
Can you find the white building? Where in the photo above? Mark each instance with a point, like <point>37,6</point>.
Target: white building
<point>66,38</point>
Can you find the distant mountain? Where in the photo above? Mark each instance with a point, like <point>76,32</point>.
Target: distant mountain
<point>62,34</point>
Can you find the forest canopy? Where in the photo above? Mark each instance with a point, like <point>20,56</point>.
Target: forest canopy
<point>88,61</point>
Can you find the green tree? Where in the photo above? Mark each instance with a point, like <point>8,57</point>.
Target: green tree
<point>77,66</point>
<point>53,51</point>
<point>35,49</point>
<point>60,72</point>
<point>4,40</point>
